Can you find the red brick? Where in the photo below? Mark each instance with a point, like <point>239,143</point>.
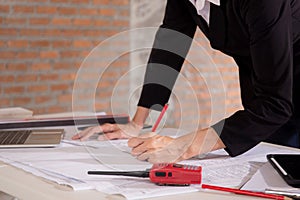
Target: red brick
<point>27,55</point>
<point>61,43</point>
<point>68,77</point>
<point>8,31</point>
<point>49,54</point>
<point>66,65</point>
<point>60,1</point>
<point>120,2</point>
<point>42,99</point>
<point>82,22</point>
<point>65,98</point>
<point>46,10</point>
<point>67,11</point>
<point>56,109</point>
<point>14,89</point>
<point>102,2</point>
<point>16,67</point>
<point>26,78</point>
<point>2,66</point>
<point>40,66</point>
<point>2,44</point>
<point>30,32</point>
<point>39,21</point>
<point>4,8</point>
<point>23,9</point>
<point>82,44</point>
<point>4,102</point>
<point>48,77</point>
<point>37,88</point>
<point>70,54</point>
<point>7,78</point>
<point>17,43</point>
<point>21,101</point>
<point>7,55</point>
<point>88,11</point>
<point>61,21</point>
<point>107,12</point>
<point>51,33</point>
<point>37,1</point>
<point>102,22</point>
<point>40,43</point>
<point>93,33</point>
<point>14,20</point>
<point>72,33</point>
<point>59,87</point>
<point>80,1</point>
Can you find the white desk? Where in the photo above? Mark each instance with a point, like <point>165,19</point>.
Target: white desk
<point>25,186</point>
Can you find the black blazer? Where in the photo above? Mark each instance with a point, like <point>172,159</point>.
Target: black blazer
<point>262,37</point>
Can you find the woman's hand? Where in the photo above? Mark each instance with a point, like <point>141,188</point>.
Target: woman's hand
<point>110,131</point>
<point>163,149</point>
<point>155,148</point>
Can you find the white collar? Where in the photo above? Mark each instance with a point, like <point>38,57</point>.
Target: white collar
<point>199,4</point>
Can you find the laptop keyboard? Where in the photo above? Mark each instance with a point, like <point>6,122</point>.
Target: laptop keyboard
<point>14,137</point>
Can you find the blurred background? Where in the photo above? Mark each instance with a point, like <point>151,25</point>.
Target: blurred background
<point>43,43</point>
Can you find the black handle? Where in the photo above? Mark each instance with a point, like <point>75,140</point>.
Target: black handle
<point>143,174</point>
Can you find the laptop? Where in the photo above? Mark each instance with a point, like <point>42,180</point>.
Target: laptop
<point>30,138</point>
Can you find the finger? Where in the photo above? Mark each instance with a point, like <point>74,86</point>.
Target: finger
<point>89,132</point>
<point>111,135</point>
<point>76,137</point>
<point>143,147</point>
<point>135,141</point>
<point>138,150</point>
<point>81,133</point>
<point>109,127</point>
<point>146,156</point>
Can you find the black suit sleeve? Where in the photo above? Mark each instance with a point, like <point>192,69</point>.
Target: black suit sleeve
<point>270,32</point>
<point>172,42</point>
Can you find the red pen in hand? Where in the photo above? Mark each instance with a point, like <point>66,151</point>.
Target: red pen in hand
<point>160,117</point>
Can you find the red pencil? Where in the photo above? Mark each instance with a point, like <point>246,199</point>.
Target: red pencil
<point>244,192</point>
<point>160,117</point>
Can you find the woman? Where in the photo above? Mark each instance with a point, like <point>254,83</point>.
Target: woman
<point>263,37</point>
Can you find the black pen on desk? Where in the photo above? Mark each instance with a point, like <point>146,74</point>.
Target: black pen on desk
<point>160,117</point>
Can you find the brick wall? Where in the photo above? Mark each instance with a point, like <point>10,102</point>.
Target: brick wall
<point>44,42</point>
